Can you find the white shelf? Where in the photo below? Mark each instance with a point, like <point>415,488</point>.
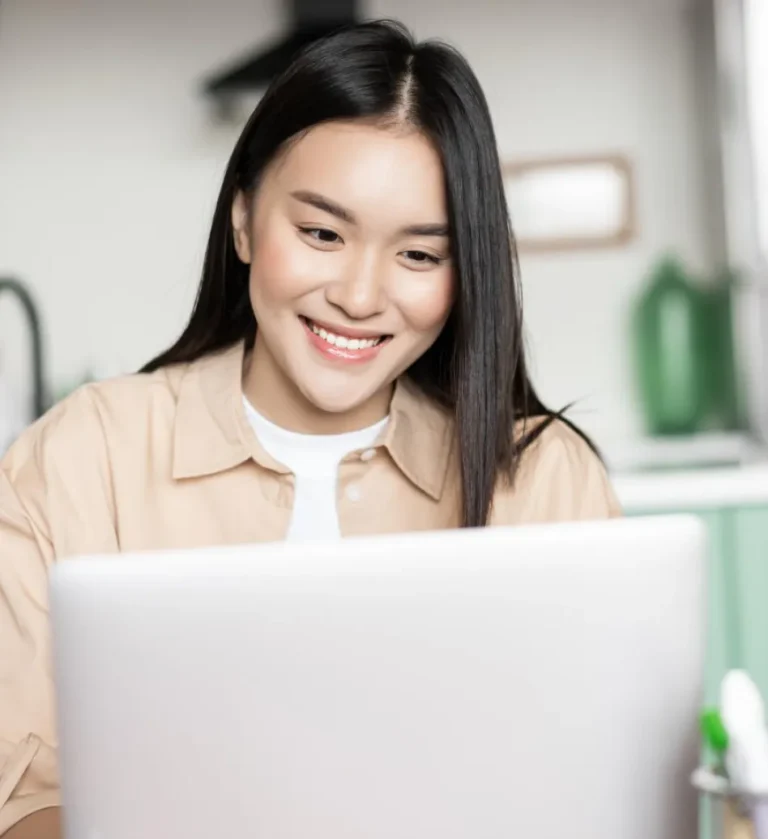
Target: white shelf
<point>689,473</point>
<point>693,489</point>
<point>710,449</point>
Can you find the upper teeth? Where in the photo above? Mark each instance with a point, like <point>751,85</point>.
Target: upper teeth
<point>343,342</point>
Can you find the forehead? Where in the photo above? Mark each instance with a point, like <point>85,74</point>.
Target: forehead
<point>367,168</point>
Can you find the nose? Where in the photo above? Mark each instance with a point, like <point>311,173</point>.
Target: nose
<point>361,292</point>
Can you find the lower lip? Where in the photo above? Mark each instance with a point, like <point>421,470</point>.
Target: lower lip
<point>342,353</point>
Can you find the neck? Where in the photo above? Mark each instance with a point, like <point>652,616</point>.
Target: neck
<point>278,399</point>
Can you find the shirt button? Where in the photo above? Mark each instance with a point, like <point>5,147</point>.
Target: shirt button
<point>367,455</point>
<point>353,493</point>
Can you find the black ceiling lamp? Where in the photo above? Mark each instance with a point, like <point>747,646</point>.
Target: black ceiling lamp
<point>309,21</point>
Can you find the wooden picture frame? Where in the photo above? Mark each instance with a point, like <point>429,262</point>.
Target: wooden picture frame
<point>575,203</point>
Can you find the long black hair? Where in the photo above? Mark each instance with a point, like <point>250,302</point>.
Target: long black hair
<point>477,366</point>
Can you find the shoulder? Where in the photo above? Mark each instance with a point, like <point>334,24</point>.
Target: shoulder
<point>559,478</point>
<point>70,451</point>
<point>61,469</point>
<point>75,426</point>
<point>559,447</point>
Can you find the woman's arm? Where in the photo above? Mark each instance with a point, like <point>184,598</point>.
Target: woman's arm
<point>54,502</point>
<point>28,773</point>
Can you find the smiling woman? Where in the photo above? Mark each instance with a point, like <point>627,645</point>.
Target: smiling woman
<point>365,201</point>
<point>353,364</point>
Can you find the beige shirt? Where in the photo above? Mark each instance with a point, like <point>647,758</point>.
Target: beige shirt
<point>170,460</point>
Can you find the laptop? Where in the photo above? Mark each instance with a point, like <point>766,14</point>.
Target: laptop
<point>534,682</point>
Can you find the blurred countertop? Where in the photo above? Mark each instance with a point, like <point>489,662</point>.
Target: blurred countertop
<point>703,472</point>
<point>693,489</point>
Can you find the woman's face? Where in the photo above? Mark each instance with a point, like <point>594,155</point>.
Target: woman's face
<point>351,278</point>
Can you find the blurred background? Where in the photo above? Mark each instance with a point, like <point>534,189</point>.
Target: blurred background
<point>111,152</point>
<point>634,138</point>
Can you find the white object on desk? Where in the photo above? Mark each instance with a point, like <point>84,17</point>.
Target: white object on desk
<point>746,760</point>
<point>743,715</point>
<point>495,683</point>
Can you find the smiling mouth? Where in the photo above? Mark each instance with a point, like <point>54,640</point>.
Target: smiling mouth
<point>344,342</point>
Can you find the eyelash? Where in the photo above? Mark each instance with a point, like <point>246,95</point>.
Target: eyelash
<point>309,231</point>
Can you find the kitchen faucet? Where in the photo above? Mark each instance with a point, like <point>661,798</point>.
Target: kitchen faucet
<point>20,292</point>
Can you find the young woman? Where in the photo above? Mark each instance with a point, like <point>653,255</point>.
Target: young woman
<point>353,365</point>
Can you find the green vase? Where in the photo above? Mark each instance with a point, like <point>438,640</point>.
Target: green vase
<point>669,333</point>
<point>725,397</point>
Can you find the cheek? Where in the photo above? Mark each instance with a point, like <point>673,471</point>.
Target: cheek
<point>282,267</point>
<point>426,302</point>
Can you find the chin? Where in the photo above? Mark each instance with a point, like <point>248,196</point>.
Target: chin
<point>338,400</point>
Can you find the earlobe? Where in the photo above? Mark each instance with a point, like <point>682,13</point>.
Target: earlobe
<point>240,232</point>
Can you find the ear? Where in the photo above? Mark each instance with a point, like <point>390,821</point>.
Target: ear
<point>240,223</point>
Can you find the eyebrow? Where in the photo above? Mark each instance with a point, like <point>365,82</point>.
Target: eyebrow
<point>426,230</point>
<point>320,202</point>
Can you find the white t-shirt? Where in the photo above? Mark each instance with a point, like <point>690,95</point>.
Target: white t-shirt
<point>314,460</point>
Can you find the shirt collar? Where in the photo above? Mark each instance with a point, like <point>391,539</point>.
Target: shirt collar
<point>212,433</point>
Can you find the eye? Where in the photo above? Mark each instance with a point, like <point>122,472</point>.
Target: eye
<point>322,235</point>
<point>422,258</point>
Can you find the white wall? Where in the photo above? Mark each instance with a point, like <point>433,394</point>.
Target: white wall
<point>109,165</point>
<point>756,65</point>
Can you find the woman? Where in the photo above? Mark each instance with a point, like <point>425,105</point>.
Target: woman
<point>353,364</point>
